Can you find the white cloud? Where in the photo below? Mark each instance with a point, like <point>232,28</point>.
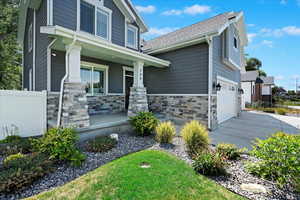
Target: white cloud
<point>267,43</point>
<point>155,32</point>
<point>146,9</point>
<point>191,10</point>
<point>296,76</point>
<point>172,12</point>
<point>197,9</point>
<point>283,2</point>
<point>250,25</point>
<point>288,30</point>
<point>251,36</point>
<point>291,30</point>
<point>279,78</point>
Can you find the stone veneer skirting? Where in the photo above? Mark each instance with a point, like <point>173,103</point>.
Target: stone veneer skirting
<point>52,107</point>
<point>106,103</point>
<point>137,101</point>
<point>181,107</point>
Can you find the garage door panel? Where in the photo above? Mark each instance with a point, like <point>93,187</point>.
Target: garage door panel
<point>227,101</point>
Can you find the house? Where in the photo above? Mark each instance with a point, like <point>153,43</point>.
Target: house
<point>255,90</point>
<point>88,55</point>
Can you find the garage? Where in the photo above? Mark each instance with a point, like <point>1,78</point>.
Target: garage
<point>227,100</point>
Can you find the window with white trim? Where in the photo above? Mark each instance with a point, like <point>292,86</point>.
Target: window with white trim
<point>95,79</point>
<point>235,42</point>
<point>132,36</point>
<point>95,19</point>
<point>30,40</point>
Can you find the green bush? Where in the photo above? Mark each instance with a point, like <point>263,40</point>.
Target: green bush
<point>22,172</point>
<point>281,111</point>
<point>144,123</point>
<point>11,139</point>
<point>165,132</point>
<point>279,158</point>
<point>60,143</point>
<point>195,136</point>
<point>229,151</point>
<point>269,110</point>
<point>209,164</point>
<point>101,144</point>
<point>12,158</point>
<point>14,146</point>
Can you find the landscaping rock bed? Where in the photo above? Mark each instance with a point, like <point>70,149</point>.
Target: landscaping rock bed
<point>237,175</point>
<point>65,173</point>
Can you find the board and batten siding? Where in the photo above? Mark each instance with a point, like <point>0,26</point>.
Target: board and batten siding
<point>219,68</point>
<point>115,72</point>
<point>42,42</point>
<point>28,59</point>
<point>187,74</point>
<point>233,53</point>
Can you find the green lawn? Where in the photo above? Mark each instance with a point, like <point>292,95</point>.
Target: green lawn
<point>167,178</point>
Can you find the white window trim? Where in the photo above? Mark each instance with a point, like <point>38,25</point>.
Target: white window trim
<point>98,5</point>
<point>104,68</point>
<point>124,77</point>
<point>136,30</point>
<point>30,38</point>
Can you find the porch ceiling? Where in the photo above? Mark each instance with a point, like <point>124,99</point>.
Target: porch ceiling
<point>93,46</point>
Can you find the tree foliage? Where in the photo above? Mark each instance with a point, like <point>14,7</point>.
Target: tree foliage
<point>254,64</point>
<point>10,52</point>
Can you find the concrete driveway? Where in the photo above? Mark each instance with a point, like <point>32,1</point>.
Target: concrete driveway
<point>243,130</point>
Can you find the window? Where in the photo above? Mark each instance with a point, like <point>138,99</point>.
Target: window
<point>95,19</point>
<point>235,42</point>
<point>132,33</point>
<point>94,79</point>
<point>30,41</point>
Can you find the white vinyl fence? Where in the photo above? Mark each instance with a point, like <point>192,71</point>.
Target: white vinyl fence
<point>22,113</point>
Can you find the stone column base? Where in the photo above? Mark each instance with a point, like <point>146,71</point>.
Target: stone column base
<point>137,101</point>
<point>75,106</point>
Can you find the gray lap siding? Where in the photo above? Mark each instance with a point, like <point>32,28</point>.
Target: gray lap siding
<point>187,74</point>
<point>115,72</point>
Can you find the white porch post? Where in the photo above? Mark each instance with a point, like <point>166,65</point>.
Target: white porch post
<point>74,63</point>
<point>138,79</point>
<point>138,95</point>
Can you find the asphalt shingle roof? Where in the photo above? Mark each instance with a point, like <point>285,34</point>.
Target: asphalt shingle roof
<point>252,75</point>
<point>188,33</point>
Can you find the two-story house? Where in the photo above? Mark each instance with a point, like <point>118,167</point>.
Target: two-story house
<point>88,55</point>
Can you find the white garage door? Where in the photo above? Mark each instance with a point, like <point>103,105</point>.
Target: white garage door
<point>227,100</point>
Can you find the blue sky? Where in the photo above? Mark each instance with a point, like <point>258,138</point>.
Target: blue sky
<point>273,28</point>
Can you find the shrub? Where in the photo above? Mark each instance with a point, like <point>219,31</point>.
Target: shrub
<point>60,143</point>
<point>210,164</point>
<point>14,146</point>
<point>281,111</point>
<point>11,139</point>
<point>229,151</point>
<point>144,123</point>
<point>101,144</point>
<point>165,132</point>
<point>22,172</point>
<point>269,110</point>
<point>195,136</point>
<point>12,158</point>
<point>279,158</point>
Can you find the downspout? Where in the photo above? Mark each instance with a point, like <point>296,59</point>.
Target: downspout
<point>209,42</point>
<point>63,81</point>
<point>49,63</point>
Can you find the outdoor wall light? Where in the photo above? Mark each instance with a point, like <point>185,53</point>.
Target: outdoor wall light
<point>241,91</point>
<point>217,87</point>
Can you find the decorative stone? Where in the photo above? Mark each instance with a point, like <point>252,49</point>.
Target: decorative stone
<point>137,101</point>
<point>254,188</point>
<point>106,104</point>
<point>114,136</point>
<point>75,109</point>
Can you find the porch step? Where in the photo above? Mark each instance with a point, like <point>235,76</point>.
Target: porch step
<point>104,129</point>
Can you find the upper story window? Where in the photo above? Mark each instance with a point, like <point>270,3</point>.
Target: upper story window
<point>132,36</point>
<point>30,40</point>
<point>235,42</point>
<point>95,19</point>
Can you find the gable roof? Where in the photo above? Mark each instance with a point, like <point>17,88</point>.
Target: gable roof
<point>269,80</point>
<point>211,26</point>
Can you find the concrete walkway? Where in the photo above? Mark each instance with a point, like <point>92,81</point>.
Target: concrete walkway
<point>242,131</point>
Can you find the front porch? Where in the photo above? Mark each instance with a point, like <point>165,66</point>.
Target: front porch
<point>100,80</point>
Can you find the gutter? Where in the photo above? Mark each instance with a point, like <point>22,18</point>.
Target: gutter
<point>63,81</point>
<point>210,59</point>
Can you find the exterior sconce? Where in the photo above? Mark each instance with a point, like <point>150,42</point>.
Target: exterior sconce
<point>217,87</point>
<point>241,91</point>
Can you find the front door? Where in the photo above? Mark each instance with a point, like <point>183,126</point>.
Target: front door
<point>128,85</point>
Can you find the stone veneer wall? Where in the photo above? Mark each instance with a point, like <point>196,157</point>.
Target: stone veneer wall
<point>181,107</point>
<point>113,103</point>
<point>137,101</point>
<point>213,112</point>
<point>75,107</point>
<point>52,107</point>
